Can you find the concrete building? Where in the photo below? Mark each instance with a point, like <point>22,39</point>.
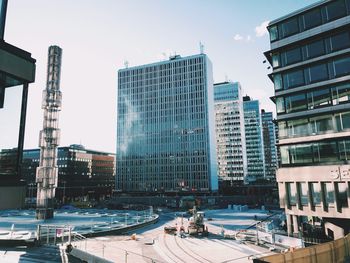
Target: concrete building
<point>230,133</point>
<point>270,149</point>
<point>81,172</point>
<point>166,127</point>
<point>310,56</point>
<point>254,139</point>
<point>17,70</point>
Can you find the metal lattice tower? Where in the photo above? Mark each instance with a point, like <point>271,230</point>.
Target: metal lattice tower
<point>47,172</point>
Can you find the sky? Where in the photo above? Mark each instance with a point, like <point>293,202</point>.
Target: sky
<point>98,36</point>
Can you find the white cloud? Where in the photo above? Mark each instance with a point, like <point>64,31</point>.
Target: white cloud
<point>238,37</point>
<point>248,38</point>
<point>261,30</point>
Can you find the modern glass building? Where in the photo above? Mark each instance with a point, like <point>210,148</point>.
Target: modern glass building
<point>165,127</point>
<point>254,139</point>
<point>81,172</point>
<point>270,149</point>
<point>230,133</point>
<point>310,55</point>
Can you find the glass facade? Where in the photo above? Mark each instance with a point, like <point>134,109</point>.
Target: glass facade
<point>230,132</point>
<point>254,139</point>
<point>165,127</point>
<point>270,150</point>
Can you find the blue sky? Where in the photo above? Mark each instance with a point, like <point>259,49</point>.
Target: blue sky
<point>97,36</point>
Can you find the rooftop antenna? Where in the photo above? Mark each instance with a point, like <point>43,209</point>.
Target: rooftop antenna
<point>201,47</point>
<point>126,64</point>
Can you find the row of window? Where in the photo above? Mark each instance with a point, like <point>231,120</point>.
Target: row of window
<point>314,193</point>
<point>322,97</point>
<point>314,49</point>
<point>316,153</point>
<point>329,123</point>
<point>310,19</point>
<point>319,72</point>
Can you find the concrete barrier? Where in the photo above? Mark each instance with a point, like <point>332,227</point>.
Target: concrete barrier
<point>85,256</point>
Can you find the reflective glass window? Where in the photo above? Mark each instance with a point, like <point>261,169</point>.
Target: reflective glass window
<point>319,98</point>
<point>315,192</point>
<point>293,56</point>
<point>298,127</point>
<point>293,79</point>
<point>312,18</point>
<point>322,124</point>
<point>344,150</point>
<point>342,66</point>
<point>318,73</point>
<point>296,103</point>
<point>341,194</point>
<point>336,9</point>
<point>282,129</point>
<point>273,33</point>
<point>325,152</point>
<point>340,41</point>
<point>284,150</point>
<point>300,154</point>
<point>328,192</point>
<point>290,27</point>
<point>275,60</point>
<point>280,105</point>
<point>303,193</point>
<point>343,121</point>
<point>291,193</point>
<point>315,49</point>
<point>341,94</point>
<point>277,80</point>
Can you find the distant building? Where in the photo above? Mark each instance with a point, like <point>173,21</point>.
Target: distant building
<point>310,56</point>
<point>254,139</point>
<point>270,149</point>
<point>166,127</point>
<point>81,172</point>
<point>230,133</point>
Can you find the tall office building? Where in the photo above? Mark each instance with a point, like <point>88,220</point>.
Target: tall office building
<point>310,55</point>
<point>254,139</point>
<point>270,149</point>
<point>165,127</point>
<point>230,133</point>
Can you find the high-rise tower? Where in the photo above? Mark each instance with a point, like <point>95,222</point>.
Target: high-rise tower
<point>46,174</point>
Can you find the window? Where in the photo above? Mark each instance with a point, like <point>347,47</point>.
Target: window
<point>343,121</point>
<point>292,56</point>
<point>275,60</point>
<point>315,49</point>
<point>342,66</point>
<point>284,155</point>
<point>321,124</point>
<point>293,79</point>
<point>328,193</point>
<point>336,9</point>
<point>312,19</point>
<point>319,98</point>
<point>280,105</point>
<point>315,192</point>
<point>340,41</point>
<point>277,80</point>
<point>344,150</point>
<point>298,127</point>
<point>341,94</point>
<point>290,27</point>
<point>318,73</point>
<point>282,129</point>
<point>273,33</point>
<point>291,194</point>
<point>303,193</point>
<point>325,152</point>
<point>341,194</point>
<point>300,154</point>
<point>296,103</point>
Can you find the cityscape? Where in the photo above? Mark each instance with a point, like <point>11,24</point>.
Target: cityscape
<point>155,131</point>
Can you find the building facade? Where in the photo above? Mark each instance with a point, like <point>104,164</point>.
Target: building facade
<point>165,127</point>
<point>270,149</point>
<point>254,139</point>
<point>310,56</point>
<point>230,133</point>
<point>81,172</point>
